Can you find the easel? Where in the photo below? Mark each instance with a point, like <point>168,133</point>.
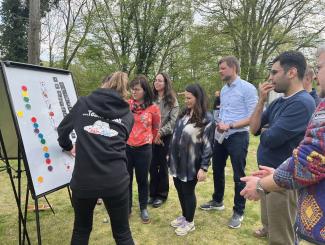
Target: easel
<point>22,216</point>
<point>6,155</point>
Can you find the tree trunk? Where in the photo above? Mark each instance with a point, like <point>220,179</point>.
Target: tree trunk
<point>34,31</point>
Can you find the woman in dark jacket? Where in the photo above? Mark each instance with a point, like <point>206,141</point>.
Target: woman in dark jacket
<point>165,98</point>
<point>190,153</point>
<point>102,122</point>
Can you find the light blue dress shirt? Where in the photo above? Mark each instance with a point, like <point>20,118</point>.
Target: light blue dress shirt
<point>238,101</point>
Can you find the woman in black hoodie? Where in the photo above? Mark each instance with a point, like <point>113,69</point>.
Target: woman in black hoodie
<point>102,122</point>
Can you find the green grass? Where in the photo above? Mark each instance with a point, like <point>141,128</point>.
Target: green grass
<point>211,227</point>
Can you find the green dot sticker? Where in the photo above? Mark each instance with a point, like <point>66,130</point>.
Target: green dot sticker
<point>43,141</point>
<point>26,99</point>
<point>28,106</point>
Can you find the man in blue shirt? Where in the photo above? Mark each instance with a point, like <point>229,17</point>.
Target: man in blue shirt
<point>238,100</point>
<point>281,127</point>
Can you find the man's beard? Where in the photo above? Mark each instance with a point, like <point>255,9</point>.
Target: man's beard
<point>227,79</point>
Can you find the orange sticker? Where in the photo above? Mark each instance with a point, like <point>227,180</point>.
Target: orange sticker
<point>45,149</point>
<point>40,179</point>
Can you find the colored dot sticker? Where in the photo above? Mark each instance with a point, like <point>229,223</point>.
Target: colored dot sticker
<point>26,99</point>
<point>20,113</point>
<point>24,94</point>
<point>48,161</point>
<point>51,114</point>
<point>43,141</point>
<point>36,130</point>
<point>35,125</point>
<point>40,179</point>
<point>50,168</point>
<point>40,136</point>
<point>45,149</point>
<point>33,119</point>
<point>24,88</point>
<point>28,106</point>
<point>46,155</point>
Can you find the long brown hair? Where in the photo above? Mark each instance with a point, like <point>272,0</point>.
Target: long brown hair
<point>201,106</point>
<point>169,94</point>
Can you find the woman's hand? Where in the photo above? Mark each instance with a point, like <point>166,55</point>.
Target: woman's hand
<point>201,175</point>
<point>73,151</point>
<point>158,140</point>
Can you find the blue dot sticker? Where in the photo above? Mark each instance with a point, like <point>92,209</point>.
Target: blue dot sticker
<point>35,125</point>
<point>46,155</point>
<point>40,136</point>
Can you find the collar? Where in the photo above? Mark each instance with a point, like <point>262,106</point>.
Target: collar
<point>234,83</point>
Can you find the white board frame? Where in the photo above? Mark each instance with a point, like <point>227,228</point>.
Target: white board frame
<point>28,142</point>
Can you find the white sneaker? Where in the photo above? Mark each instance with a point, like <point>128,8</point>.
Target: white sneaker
<point>177,222</point>
<point>185,228</point>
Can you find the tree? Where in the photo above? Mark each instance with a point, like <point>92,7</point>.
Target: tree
<point>13,38</point>
<point>34,31</point>
<point>259,28</point>
<point>139,34</point>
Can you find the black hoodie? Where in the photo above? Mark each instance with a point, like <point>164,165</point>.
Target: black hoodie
<point>103,122</point>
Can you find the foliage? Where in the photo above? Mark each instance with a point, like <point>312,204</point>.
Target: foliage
<point>13,37</point>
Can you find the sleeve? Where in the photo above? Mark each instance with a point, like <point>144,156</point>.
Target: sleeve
<point>155,120</point>
<point>207,148</point>
<point>307,164</point>
<point>65,128</point>
<point>292,121</point>
<point>169,126</point>
<point>264,121</point>
<point>251,99</point>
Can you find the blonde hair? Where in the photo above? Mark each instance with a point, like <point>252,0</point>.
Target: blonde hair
<point>117,81</point>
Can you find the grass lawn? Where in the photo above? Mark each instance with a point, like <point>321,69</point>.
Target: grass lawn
<point>211,227</point>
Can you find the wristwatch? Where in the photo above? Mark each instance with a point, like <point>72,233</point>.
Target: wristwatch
<point>231,125</point>
<point>260,189</point>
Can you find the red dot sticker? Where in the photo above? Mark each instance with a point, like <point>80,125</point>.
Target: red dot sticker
<point>24,88</point>
<point>51,114</point>
<point>48,161</point>
<point>34,120</point>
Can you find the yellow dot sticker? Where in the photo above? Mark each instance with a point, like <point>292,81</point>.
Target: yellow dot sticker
<point>20,113</point>
<point>40,179</point>
<point>24,94</point>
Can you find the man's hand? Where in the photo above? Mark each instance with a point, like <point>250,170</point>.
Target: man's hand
<point>201,175</point>
<point>158,140</point>
<point>250,192</point>
<point>222,127</point>
<point>264,89</point>
<point>263,172</point>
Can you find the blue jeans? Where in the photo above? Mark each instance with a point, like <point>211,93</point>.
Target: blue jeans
<point>235,146</point>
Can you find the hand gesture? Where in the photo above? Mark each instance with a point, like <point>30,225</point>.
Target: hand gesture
<point>250,192</point>
<point>264,89</point>
<point>263,172</point>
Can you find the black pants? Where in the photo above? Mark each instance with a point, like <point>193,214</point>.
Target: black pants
<point>236,147</point>
<point>159,179</point>
<point>187,198</point>
<point>139,159</point>
<point>118,211</point>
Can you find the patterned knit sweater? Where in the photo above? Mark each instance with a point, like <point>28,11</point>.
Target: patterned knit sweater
<point>305,171</point>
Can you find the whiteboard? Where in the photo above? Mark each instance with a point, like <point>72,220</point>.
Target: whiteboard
<point>40,98</point>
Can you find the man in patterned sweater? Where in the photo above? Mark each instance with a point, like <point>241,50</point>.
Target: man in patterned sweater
<point>304,171</point>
